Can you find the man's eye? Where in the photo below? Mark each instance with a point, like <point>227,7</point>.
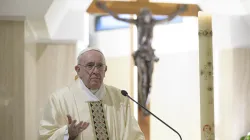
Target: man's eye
<point>90,66</point>
<point>99,66</point>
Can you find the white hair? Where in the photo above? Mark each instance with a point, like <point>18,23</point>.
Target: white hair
<point>89,49</point>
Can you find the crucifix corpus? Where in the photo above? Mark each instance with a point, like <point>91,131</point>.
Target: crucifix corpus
<point>144,57</point>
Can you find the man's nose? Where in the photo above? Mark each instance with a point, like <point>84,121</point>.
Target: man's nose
<point>95,70</point>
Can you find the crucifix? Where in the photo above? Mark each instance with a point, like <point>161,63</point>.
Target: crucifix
<point>144,56</point>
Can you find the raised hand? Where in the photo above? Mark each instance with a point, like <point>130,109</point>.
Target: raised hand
<point>75,129</point>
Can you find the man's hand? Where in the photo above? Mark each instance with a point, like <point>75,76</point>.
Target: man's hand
<point>75,129</point>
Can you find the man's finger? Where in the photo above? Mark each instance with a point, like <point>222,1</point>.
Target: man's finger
<point>85,125</point>
<point>72,125</point>
<point>74,122</point>
<point>79,124</point>
<point>69,119</point>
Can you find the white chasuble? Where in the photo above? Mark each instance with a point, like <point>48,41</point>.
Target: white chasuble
<point>109,118</point>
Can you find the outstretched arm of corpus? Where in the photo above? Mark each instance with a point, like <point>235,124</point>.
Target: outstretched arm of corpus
<point>102,6</point>
<point>181,9</point>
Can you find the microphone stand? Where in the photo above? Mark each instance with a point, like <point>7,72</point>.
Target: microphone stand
<point>155,116</point>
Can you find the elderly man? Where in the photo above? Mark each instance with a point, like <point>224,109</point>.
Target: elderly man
<point>88,109</point>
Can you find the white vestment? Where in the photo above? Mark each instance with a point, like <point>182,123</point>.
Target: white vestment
<point>74,100</point>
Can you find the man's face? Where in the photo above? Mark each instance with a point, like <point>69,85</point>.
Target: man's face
<point>91,69</point>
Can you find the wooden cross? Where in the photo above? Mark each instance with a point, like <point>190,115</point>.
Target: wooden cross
<point>133,7</point>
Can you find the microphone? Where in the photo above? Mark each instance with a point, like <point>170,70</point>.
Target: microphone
<point>125,93</point>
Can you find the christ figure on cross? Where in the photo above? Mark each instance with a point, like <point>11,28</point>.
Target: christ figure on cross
<point>144,56</point>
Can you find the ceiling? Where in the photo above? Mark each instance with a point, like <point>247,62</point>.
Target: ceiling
<point>49,19</point>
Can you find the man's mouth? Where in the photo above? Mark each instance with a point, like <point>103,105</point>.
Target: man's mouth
<point>95,78</point>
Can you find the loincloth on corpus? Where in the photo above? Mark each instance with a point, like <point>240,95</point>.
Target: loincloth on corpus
<point>146,55</point>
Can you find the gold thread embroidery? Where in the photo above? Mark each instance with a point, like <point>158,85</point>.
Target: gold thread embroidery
<point>99,121</point>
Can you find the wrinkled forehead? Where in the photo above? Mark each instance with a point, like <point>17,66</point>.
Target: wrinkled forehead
<point>92,56</point>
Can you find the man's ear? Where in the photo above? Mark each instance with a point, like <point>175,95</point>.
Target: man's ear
<point>77,68</point>
<point>106,68</point>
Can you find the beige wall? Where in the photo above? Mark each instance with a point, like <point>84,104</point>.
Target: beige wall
<point>231,41</point>
<point>233,98</point>
<point>12,86</point>
<point>175,96</point>
<point>29,72</point>
<point>116,46</point>
<point>119,73</point>
<point>55,66</point>
<point>30,85</point>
